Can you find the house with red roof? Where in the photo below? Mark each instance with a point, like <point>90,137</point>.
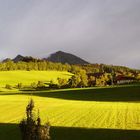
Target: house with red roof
<point>121,79</point>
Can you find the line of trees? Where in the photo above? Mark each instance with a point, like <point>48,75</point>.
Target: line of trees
<point>84,75</point>
<point>47,65</point>
<point>39,66</point>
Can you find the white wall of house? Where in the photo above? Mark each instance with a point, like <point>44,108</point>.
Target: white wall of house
<point>124,81</point>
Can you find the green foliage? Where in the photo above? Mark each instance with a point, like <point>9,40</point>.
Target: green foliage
<point>83,78</point>
<point>42,65</point>
<point>91,81</point>
<point>40,84</point>
<point>62,83</point>
<point>53,85</point>
<point>7,86</point>
<point>104,79</point>
<point>79,79</point>
<point>31,128</point>
<point>74,81</point>
<point>34,85</point>
<point>33,65</point>
<point>19,85</point>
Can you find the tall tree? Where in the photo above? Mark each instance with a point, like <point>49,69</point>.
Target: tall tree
<point>31,128</point>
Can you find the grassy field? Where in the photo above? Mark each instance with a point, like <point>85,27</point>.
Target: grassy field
<point>77,114</point>
<point>28,77</point>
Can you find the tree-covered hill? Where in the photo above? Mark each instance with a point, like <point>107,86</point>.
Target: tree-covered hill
<point>85,74</point>
<point>63,57</point>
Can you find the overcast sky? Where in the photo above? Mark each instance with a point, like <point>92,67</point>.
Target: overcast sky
<point>100,31</point>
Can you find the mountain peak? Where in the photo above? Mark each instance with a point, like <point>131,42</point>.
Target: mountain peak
<point>60,52</point>
<point>18,58</point>
<point>63,57</point>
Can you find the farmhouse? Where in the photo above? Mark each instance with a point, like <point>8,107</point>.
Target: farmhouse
<point>120,79</point>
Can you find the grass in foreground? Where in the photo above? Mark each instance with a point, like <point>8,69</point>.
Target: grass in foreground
<point>110,113</point>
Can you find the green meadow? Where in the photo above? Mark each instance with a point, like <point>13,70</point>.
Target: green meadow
<point>27,77</point>
<point>111,113</point>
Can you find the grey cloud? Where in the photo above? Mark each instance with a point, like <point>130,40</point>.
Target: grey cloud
<point>103,31</point>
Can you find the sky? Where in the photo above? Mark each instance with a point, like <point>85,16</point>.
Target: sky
<point>99,31</point>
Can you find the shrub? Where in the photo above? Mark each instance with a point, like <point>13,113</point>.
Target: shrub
<point>7,86</point>
<point>62,83</point>
<point>19,85</point>
<point>40,84</point>
<point>34,85</point>
<point>31,128</point>
<point>53,85</point>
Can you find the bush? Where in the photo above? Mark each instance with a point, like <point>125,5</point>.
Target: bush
<point>40,84</point>
<point>7,86</point>
<point>31,128</point>
<point>62,83</point>
<point>19,85</point>
<point>34,85</point>
<point>53,85</point>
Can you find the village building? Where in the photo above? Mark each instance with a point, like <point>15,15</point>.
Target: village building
<point>121,79</point>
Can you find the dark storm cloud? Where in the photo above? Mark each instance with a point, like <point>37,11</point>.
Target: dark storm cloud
<point>103,31</point>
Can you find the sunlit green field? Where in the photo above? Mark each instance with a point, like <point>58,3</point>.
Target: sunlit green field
<point>77,114</point>
<point>27,77</point>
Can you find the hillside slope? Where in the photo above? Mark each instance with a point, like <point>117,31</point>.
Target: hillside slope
<point>64,57</point>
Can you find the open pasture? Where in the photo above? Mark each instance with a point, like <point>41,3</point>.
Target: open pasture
<point>27,77</point>
<point>77,114</point>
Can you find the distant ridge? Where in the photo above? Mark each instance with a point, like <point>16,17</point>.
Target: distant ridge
<point>19,58</point>
<point>63,57</point>
<point>6,59</point>
<point>58,57</point>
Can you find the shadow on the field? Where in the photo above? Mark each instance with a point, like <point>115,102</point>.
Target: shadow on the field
<point>8,93</point>
<point>122,94</point>
<point>65,133</point>
<point>9,132</point>
<point>12,132</point>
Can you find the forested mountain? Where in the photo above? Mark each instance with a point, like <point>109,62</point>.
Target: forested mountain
<point>85,74</point>
<point>58,57</point>
<point>60,61</point>
<point>63,57</point>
